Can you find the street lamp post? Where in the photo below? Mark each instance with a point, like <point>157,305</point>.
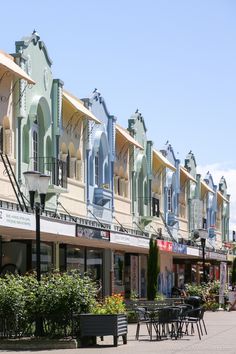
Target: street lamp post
<point>203,244</point>
<point>37,182</point>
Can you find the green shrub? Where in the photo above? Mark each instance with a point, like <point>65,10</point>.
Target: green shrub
<point>55,299</point>
<point>209,293</point>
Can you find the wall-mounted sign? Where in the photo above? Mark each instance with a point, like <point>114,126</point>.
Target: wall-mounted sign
<point>193,251</point>
<point>57,227</point>
<point>17,219</point>
<point>88,232</point>
<point>26,221</point>
<point>125,239</point>
<point>179,248</point>
<point>164,245</point>
<point>217,256</point>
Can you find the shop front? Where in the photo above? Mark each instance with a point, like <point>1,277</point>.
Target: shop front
<point>129,265</point>
<point>190,269</point>
<point>18,241</point>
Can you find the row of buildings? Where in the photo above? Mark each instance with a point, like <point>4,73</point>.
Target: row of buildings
<point>111,188</point>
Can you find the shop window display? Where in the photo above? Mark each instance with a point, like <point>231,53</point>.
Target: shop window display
<point>94,263</point>
<point>14,259</point>
<point>119,286</point>
<point>75,258</point>
<point>46,257</point>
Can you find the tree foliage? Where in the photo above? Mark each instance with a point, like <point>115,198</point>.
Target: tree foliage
<point>153,269</point>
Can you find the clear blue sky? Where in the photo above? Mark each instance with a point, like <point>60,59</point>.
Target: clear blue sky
<point>175,60</point>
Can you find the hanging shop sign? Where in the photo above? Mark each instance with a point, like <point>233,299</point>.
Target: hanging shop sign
<point>164,245</point>
<point>125,239</point>
<point>57,227</point>
<point>26,221</point>
<point>17,219</point>
<point>217,256</point>
<point>92,233</point>
<point>179,248</point>
<point>192,251</point>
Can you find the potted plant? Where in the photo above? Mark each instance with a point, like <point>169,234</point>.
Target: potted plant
<point>107,318</point>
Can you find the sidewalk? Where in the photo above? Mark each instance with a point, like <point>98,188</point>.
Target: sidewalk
<point>221,327</point>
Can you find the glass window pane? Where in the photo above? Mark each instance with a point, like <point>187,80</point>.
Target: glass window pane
<point>46,256</point>
<point>119,284</point>
<point>94,263</point>
<point>75,258</point>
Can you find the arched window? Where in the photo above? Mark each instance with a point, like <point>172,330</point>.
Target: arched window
<point>119,186</point>
<point>5,137</point>
<point>1,139</point>
<point>48,160</point>
<point>68,164</point>
<point>126,188</point>
<point>170,195</point>
<point>78,166</point>
<point>7,141</point>
<point>35,150</point>
<point>25,146</point>
<point>96,170</point>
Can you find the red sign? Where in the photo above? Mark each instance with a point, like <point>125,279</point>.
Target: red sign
<point>164,245</point>
<point>229,245</point>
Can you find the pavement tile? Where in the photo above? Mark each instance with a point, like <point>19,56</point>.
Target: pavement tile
<point>221,338</point>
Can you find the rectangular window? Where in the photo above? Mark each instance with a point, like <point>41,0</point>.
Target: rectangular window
<point>35,150</point>
<point>46,256</point>
<point>96,170</point>
<point>126,189</point>
<point>204,223</point>
<point>119,186</point>
<point>155,207</point>
<point>94,263</point>
<point>119,266</point>
<point>1,139</point>
<point>170,198</point>
<point>75,258</point>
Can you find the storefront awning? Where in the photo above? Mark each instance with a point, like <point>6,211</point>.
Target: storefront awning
<point>7,63</point>
<point>77,105</point>
<point>221,197</point>
<point>204,186</point>
<point>126,136</point>
<point>186,175</point>
<point>157,156</point>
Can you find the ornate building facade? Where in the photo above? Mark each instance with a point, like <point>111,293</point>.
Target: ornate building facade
<point>110,188</point>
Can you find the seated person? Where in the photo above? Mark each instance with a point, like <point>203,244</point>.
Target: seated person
<point>178,292</point>
<point>232,299</point>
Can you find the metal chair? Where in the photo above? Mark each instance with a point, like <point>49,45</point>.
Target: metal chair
<point>143,317</point>
<point>195,316</point>
<point>167,322</point>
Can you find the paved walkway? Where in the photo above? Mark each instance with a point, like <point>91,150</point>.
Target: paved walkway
<point>221,338</point>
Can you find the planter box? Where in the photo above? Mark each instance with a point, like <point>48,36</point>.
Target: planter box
<point>104,325</point>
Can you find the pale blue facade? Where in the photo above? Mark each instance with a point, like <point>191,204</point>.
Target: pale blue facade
<point>100,154</point>
<point>171,191</point>
<point>141,168</point>
<point>211,202</point>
